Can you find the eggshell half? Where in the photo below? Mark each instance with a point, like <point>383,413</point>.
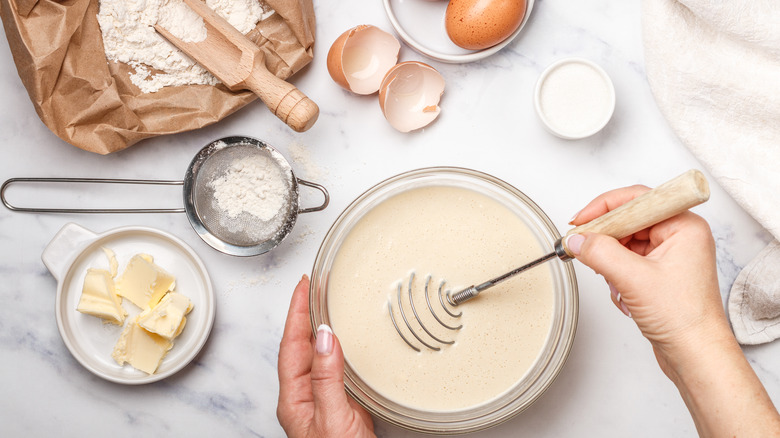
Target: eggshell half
<point>360,58</point>
<point>409,95</point>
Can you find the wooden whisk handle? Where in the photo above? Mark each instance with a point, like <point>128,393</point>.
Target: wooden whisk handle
<point>669,199</point>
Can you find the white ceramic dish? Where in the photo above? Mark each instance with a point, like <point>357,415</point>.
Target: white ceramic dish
<point>74,249</point>
<point>606,99</point>
<point>420,24</point>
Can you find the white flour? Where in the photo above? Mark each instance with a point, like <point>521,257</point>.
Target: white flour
<point>253,185</point>
<point>129,37</point>
<point>302,157</point>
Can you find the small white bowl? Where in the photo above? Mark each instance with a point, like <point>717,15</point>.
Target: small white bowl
<point>574,98</point>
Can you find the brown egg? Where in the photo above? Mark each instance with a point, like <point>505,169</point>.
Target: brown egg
<point>479,24</point>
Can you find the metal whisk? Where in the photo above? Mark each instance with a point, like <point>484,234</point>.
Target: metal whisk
<point>411,325</point>
<point>667,200</point>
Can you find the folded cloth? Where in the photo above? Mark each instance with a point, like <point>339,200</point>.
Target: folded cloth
<point>714,69</point>
<point>754,303</point>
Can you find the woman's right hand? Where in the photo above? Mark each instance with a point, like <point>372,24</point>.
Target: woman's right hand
<point>665,278</point>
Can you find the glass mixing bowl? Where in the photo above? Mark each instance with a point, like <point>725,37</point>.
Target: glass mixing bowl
<point>562,328</point>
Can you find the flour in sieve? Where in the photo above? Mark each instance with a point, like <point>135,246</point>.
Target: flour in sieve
<point>129,37</point>
<point>256,186</point>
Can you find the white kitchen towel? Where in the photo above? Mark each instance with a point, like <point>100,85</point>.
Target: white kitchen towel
<point>714,69</point>
<point>754,303</point>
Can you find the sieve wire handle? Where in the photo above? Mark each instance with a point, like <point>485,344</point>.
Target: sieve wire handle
<point>12,207</point>
<point>317,187</point>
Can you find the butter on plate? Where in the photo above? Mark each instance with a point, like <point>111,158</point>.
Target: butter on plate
<point>99,298</point>
<point>167,318</point>
<point>141,349</point>
<point>143,282</point>
<point>146,339</point>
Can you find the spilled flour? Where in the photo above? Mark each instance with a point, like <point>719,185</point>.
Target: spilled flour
<point>303,159</point>
<point>129,37</point>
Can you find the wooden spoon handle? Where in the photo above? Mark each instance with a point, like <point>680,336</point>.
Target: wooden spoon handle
<point>239,64</point>
<point>669,199</point>
<point>286,101</point>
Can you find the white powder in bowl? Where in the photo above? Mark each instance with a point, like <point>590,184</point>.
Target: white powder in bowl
<point>574,98</point>
<point>129,37</point>
<point>253,185</point>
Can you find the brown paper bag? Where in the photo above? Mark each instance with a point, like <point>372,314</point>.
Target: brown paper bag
<point>92,104</point>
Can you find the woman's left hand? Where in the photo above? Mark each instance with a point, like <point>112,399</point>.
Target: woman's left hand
<point>312,399</point>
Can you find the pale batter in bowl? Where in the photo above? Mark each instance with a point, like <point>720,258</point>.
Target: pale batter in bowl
<point>466,237</point>
<point>466,227</point>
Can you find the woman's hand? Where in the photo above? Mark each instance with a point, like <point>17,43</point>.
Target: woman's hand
<point>312,399</point>
<point>665,278</point>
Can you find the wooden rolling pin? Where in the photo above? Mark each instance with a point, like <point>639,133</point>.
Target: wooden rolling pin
<point>239,63</point>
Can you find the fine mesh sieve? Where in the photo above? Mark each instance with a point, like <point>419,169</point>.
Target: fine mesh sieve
<point>241,234</point>
<point>244,233</point>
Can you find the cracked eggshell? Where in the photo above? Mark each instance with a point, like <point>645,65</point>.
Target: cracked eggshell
<point>360,58</point>
<point>409,95</point>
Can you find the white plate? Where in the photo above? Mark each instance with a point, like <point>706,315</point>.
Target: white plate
<point>420,24</point>
<point>75,249</point>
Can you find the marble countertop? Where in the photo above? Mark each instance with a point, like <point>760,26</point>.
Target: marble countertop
<point>611,385</point>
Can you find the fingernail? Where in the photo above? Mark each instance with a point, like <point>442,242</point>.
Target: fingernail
<point>619,299</point>
<point>571,221</point>
<point>324,340</point>
<point>623,307</point>
<point>574,243</point>
<point>613,291</point>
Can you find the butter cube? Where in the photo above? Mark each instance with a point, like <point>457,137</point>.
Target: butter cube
<point>167,318</point>
<point>143,282</point>
<point>112,263</point>
<point>99,298</point>
<point>141,349</point>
